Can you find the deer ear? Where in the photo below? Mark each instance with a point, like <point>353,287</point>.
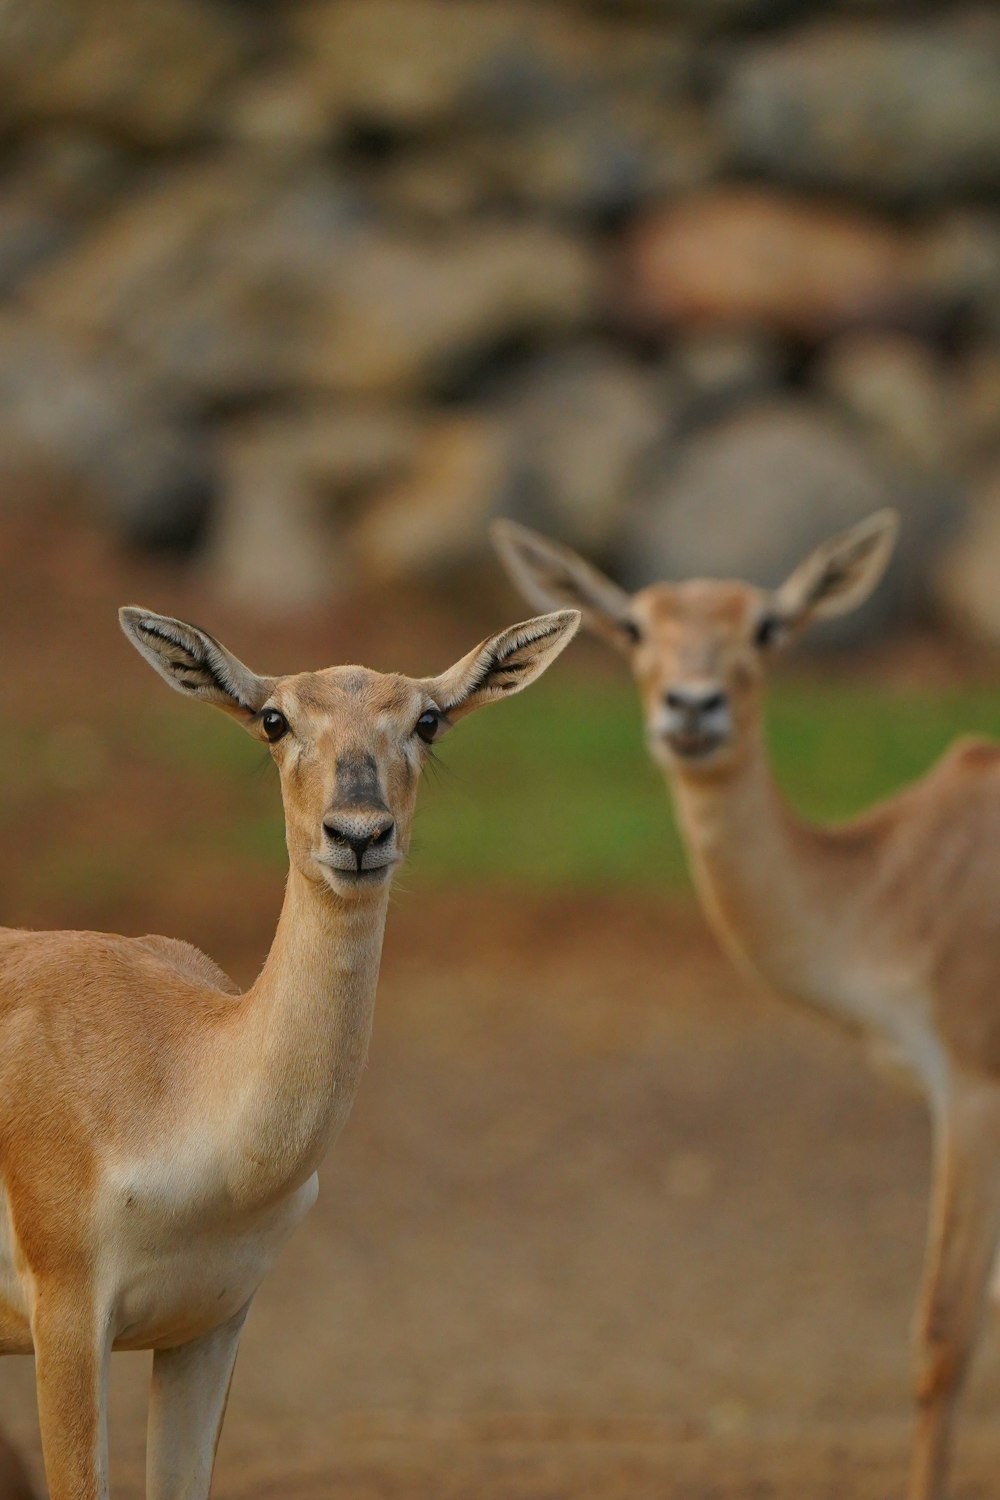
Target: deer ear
<point>552,576</point>
<point>504,664</point>
<point>195,663</point>
<point>836,578</point>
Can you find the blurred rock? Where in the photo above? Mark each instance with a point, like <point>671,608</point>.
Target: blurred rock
<point>711,14</point>
<point>237,278</point>
<point>55,183</point>
<point>718,367</point>
<point>406,313</point>
<point>213,278</point>
<point>605,159</point>
<point>749,496</point>
<point>956,263</point>
<point>891,385</point>
<point>745,256</point>
<point>965,583</point>
<point>79,426</point>
<point>900,108</point>
<point>977,403</point>
<point>149,71</point>
<point>433,186</point>
<point>278,534</point>
<point>585,423</point>
<point>411,65</point>
<point>435,517</point>
<point>270,110</point>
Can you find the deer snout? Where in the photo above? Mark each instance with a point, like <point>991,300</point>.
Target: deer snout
<point>695,701</point>
<point>360,838</point>
<point>695,717</point>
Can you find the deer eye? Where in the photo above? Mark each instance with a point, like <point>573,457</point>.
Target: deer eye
<point>632,631</point>
<point>274,725</point>
<point>766,631</point>
<point>428,725</point>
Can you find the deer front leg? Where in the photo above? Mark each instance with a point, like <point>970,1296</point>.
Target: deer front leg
<point>964,1227</point>
<point>187,1402</point>
<point>72,1346</point>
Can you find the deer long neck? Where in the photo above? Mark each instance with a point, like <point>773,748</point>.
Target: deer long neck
<point>781,893</point>
<point>304,1032</point>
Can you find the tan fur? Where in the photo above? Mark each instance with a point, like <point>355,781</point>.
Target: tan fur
<point>889,923</point>
<point>159,1131</point>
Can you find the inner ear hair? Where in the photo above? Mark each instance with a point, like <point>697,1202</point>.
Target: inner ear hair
<point>192,661</point>
<point>553,576</point>
<point>768,630</point>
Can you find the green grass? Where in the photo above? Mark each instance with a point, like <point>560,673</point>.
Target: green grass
<point>554,788</point>
<point>557,788</point>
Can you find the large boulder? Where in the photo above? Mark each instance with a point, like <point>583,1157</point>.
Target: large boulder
<point>149,70</point>
<point>976,413</point>
<point>893,388</point>
<point>955,263</point>
<point>433,518</point>
<point>405,66</point>
<point>75,425</point>
<point>585,423</point>
<point>55,183</point>
<point>278,539</point>
<point>212,278</point>
<point>718,368</point>
<point>604,159</point>
<point>237,278</point>
<point>965,581</point>
<point>405,313</point>
<point>748,256</point>
<point>748,496</point>
<point>906,108</point>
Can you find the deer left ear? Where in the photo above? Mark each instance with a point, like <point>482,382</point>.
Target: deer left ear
<point>837,577</point>
<point>504,664</point>
<point>195,663</point>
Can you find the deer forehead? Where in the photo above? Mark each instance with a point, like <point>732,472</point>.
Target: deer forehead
<point>715,611</point>
<point>346,700</point>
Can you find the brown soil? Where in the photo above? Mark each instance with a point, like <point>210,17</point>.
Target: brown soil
<point>603,1224</point>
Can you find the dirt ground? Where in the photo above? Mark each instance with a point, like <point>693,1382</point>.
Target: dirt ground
<point>603,1225</point>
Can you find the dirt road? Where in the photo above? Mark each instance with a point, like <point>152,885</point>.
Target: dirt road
<point>604,1225</point>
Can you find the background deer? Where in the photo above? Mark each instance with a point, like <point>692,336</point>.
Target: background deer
<point>159,1132</point>
<point>889,923</point>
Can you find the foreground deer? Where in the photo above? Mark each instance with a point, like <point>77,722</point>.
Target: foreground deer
<point>889,923</point>
<point>160,1133</point>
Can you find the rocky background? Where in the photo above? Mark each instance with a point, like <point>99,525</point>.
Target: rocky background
<point>307,291</point>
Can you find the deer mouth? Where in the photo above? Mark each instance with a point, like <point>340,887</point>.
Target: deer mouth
<point>694,744</point>
<point>340,878</point>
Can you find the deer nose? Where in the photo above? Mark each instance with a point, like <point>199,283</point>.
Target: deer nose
<point>359,831</point>
<point>693,702</point>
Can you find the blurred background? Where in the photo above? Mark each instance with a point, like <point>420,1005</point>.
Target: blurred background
<point>295,297</point>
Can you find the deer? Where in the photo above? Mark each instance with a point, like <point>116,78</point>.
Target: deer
<point>888,924</point>
<point>160,1131</point>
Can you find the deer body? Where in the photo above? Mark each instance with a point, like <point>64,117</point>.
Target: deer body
<point>221,1165</point>
<point>854,919</point>
<point>888,924</point>
<point>160,1132</point>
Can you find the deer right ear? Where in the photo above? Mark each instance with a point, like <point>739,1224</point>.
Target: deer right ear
<point>837,576</point>
<point>554,577</point>
<point>504,664</point>
<point>194,663</point>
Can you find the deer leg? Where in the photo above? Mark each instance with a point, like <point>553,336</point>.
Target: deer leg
<point>187,1403</point>
<point>72,1348</point>
<point>962,1244</point>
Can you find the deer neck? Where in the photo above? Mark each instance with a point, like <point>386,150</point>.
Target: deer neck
<point>304,1031</point>
<point>778,891</point>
